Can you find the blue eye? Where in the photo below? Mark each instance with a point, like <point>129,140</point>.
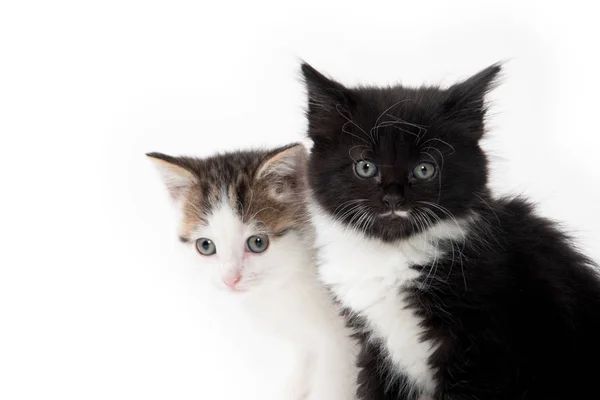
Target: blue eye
<point>424,170</point>
<point>257,244</point>
<point>206,247</point>
<point>365,169</point>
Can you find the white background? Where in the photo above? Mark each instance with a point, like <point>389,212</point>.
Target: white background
<point>96,300</point>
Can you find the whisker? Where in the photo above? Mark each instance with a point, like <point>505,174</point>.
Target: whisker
<point>346,131</point>
<point>339,110</point>
<point>388,109</point>
<point>439,152</point>
<point>487,204</point>
<point>354,147</point>
<point>421,128</point>
<point>441,141</point>
<point>452,242</point>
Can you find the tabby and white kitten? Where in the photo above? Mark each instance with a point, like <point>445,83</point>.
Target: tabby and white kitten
<point>244,213</point>
<point>454,294</point>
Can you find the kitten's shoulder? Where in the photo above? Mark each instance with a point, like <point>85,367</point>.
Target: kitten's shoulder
<point>519,214</point>
<point>515,206</point>
<point>531,233</point>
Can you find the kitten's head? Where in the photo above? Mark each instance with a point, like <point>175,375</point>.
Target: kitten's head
<point>242,212</point>
<point>392,161</point>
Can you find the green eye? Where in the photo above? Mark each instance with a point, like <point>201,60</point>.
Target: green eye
<point>424,170</point>
<point>257,244</point>
<point>206,247</point>
<point>365,169</point>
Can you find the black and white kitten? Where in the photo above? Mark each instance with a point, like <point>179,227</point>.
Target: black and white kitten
<point>454,294</point>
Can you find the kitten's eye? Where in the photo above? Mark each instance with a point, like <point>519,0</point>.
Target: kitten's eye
<point>206,247</point>
<point>257,244</point>
<point>365,169</point>
<point>424,170</point>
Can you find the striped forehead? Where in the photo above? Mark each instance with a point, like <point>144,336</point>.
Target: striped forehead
<point>230,182</point>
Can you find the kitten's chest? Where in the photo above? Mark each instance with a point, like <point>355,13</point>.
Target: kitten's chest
<point>371,280</point>
<point>383,305</point>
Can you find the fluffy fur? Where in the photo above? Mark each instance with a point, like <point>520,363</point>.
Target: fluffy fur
<point>232,197</point>
<point>453,294</point>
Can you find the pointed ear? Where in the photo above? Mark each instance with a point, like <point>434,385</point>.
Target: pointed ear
<point>328,102</point>
<point>175,176</point>
<point>471,92</point>
<point>465,101</point>
<point>284,172</point>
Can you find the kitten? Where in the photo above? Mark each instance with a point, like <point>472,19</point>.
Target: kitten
<point>244,214</point>
<point>453,293</point>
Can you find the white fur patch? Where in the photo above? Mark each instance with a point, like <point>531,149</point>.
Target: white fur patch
<point>368,275</point>
<point>281,294</point>
<point>403,214</point>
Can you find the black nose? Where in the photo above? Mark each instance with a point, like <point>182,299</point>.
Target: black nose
<point>393,201</point>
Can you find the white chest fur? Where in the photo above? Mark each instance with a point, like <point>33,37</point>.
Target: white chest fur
<point>368,276</point>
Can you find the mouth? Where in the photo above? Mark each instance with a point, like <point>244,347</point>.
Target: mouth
<point>395,214</point>
<point>237,289</point>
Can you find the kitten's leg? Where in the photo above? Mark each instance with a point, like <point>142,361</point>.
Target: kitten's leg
<point>298,386</point>
<point>333,377</point>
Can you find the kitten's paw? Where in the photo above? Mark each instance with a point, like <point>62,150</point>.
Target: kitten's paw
<point>295,392</point>
<point>300,395</point>
<point>303,395</point>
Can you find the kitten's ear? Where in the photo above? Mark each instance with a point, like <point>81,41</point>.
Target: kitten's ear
<point>465,101</point>
<point>174,174</point>
<point>284,171</point>
<point>328,100</point>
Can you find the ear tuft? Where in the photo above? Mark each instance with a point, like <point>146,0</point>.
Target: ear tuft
<point>465,101</point>
<point>326,99</point>
<point>175,176</point>
<point>284,171</point>
<point>470,94</point>
<point>322,91</point>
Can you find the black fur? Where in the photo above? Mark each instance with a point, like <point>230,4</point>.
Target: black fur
<point>515,309</point>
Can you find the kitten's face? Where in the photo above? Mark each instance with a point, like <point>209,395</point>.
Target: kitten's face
<point>392,161</point>
<point>241,212</point>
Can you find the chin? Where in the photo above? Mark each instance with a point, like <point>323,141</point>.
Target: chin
<point>393,234</point>
<point>391,226</point>
<point>236,291</point>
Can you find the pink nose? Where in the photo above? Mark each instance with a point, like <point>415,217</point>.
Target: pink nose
<point>232,279</point>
